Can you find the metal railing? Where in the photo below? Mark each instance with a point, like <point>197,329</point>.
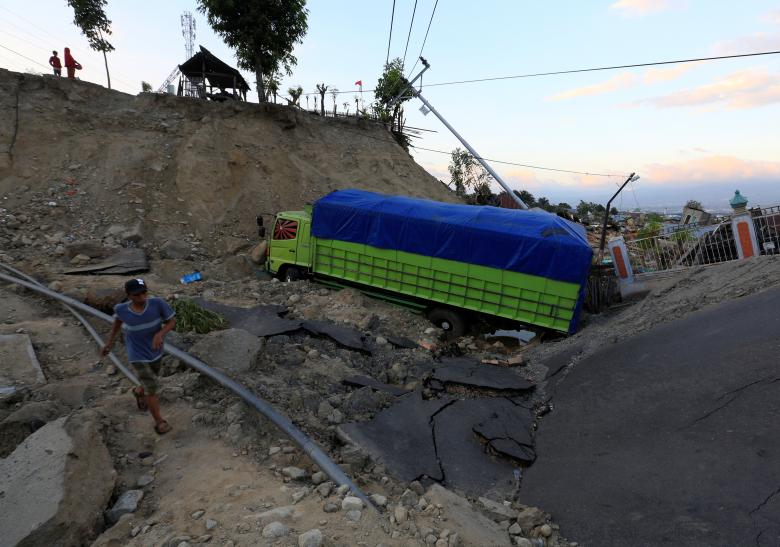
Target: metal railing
<point>682,248</point>
<point>767,227</point>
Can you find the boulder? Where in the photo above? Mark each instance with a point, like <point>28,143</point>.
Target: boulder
<point>25,421</point>
<point>231,350</point>
<point>126,503</point>
<point>177,249</point>
<point>104,299</point>
<point>87,247</point>
<point>56,484</point>
<point>312,538</point>
<point>472,527</point>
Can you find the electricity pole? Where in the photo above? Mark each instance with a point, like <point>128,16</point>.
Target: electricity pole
<point>429,106</point>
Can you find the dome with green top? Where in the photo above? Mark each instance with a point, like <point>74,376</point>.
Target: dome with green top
<point>738,201</point>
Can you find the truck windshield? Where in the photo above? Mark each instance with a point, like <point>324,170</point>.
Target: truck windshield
<point>285,229</point>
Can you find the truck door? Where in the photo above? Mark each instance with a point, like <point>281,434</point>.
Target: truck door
<point>284,243</point>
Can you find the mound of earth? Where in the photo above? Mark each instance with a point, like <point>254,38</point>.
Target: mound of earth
<point>79,159</point>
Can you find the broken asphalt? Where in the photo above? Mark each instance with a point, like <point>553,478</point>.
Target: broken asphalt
<point>670,437</point>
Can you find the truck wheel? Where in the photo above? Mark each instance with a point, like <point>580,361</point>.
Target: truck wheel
<point>448,320</point>
<point>291,273</point>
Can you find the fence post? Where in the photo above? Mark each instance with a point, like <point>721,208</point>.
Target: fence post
<point>620,259</point>
<point>743,229</point>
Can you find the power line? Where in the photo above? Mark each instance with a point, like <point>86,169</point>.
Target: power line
<point>424,39</point>
<point>616,67</point>
<point>392,17</point>
<point>575,71</point>
<point>525,164</point>
<point>25,56</point>
<point>410,31</point>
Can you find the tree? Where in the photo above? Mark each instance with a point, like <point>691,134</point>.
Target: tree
<point>527,197</point>
<point>272,88</point>
<point>335,94</point>
<point>295,94</point>
<point>468,174</point>
<point>391,84</point>
<point>322,88</point>
<point>90,17</point>
<point>146,87</point>
<point>583,209</point>
<point>544,203</point>
<point>693,204</point>
<point>263,33</point>
<point>614,211</point>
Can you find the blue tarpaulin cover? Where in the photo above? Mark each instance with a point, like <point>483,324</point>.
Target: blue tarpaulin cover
<point>530,242</point>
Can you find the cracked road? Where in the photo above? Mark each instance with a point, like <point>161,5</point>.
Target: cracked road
<point>671,437</point>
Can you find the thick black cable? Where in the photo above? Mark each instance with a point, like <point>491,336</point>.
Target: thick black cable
<point>424,40</point>
<point>575,71</point>
<point>410,31</point>
<point>392,17</point>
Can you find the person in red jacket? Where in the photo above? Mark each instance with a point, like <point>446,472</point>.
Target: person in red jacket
<point>71,65</point>
<point>55,63</point>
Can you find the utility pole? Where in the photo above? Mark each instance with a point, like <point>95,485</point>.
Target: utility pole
<point>429,106</point>
<point>633,177</point>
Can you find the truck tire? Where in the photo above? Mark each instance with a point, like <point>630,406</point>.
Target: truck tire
<point>449,320</point>
<point>291,273</point>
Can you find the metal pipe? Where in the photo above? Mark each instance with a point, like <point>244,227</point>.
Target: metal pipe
<point>306,444</point>
<point>87,325</point>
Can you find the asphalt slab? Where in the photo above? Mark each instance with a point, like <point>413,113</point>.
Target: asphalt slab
<point>671,437</point>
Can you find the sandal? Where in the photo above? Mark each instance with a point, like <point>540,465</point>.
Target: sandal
<point>140,398</point>
<point>162,428</point>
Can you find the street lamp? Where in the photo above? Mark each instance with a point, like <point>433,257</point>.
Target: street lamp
<point>633,177</point>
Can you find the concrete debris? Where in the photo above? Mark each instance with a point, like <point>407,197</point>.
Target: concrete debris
<point>56,483</point>
<point>473,374</point>
<point>349,338</point>
<point>20,365</point>
<point>472,527</point>
<point>376,385</point>
<point>259,320</point>
<point>231,350</point>
<point>126,261</point>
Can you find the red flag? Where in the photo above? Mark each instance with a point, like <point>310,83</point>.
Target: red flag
<point>359,82</point>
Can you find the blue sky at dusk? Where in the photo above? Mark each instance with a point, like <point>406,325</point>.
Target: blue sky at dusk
<point>690,131</point>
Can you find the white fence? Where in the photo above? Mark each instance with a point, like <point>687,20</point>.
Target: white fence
<point>767,225</point>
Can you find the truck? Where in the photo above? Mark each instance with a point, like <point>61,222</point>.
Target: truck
<point>453,262</point>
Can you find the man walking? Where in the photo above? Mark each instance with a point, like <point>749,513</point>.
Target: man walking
<point>54,63</point>
<point>146,321</point>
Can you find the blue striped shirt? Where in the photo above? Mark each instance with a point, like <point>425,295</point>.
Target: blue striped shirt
<point>140,328</point>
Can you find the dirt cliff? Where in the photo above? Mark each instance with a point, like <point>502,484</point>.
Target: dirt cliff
<point>177,166</point>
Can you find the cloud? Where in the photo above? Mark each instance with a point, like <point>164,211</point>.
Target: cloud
<point>641,7</point>
<point>756,42</point>
<point>772,17</point>
<point>711,169</point>
<point>749,88</point>
<point>617,82</point>
<point>657,75</point>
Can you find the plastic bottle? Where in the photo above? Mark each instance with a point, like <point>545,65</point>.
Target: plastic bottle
<point>191,278</point>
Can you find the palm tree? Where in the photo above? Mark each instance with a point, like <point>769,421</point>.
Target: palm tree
<point>295,93</point>
<point>334,93</point>
<point>272,87</point>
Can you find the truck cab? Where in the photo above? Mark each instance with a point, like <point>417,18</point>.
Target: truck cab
<point>289,246</point>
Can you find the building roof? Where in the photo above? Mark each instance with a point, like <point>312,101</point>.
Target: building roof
<point>218,73</point>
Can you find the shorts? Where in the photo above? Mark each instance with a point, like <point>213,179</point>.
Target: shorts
<point>148,373</point>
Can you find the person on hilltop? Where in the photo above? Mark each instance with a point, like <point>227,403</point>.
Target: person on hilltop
<point>55,64</point>
<point>71,64</point>
<point>146,321</point>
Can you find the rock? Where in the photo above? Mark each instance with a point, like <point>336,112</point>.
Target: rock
<point>257,254</point>
<point>231,350</point>
<point>285,513</point>
<point>237,267</point>
<point>325,489</point>
<point>294,299</point>
<point>79,260</point>
<point>299,495</point>
<point>197,514</point>
<point>351,503</point>
<point>176,249</point>
<point>523,542</point>
<point>319,477</point>
<point>275,530</point>
<point>144,480</point>
<point>211,524</point>
<point>104,299</point>
<point>88,248</point>
<point>545,530</point>
<point>312,538</point>
<point>409,498</point>
<point>515,529</point>
<point>381,340</point>
<point>56,483</point>
<point>294,473</point>
<point>29,418</point>
<point>132,235</point>
<point>126,503</point>
<point>378,500</point>
<point>401,514</point>
<point>330,507</point>
<point>530,518</point>
<point>342,489</point>
<point>471,526</point>
<point>233,245</point>
<point>56,286</point>
<point>496,511</point>
<point>324,410</point>
<point>422,504</point>
<point>354,515</point>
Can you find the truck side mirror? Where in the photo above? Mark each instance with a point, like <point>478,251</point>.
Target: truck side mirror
<point>261,231</point>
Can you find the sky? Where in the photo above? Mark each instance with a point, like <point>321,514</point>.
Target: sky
<point>692,131</point>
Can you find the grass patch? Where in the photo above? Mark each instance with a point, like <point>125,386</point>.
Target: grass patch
<point>192,318</point>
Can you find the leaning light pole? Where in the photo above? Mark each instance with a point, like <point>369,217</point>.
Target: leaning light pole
<point>429,106</point>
